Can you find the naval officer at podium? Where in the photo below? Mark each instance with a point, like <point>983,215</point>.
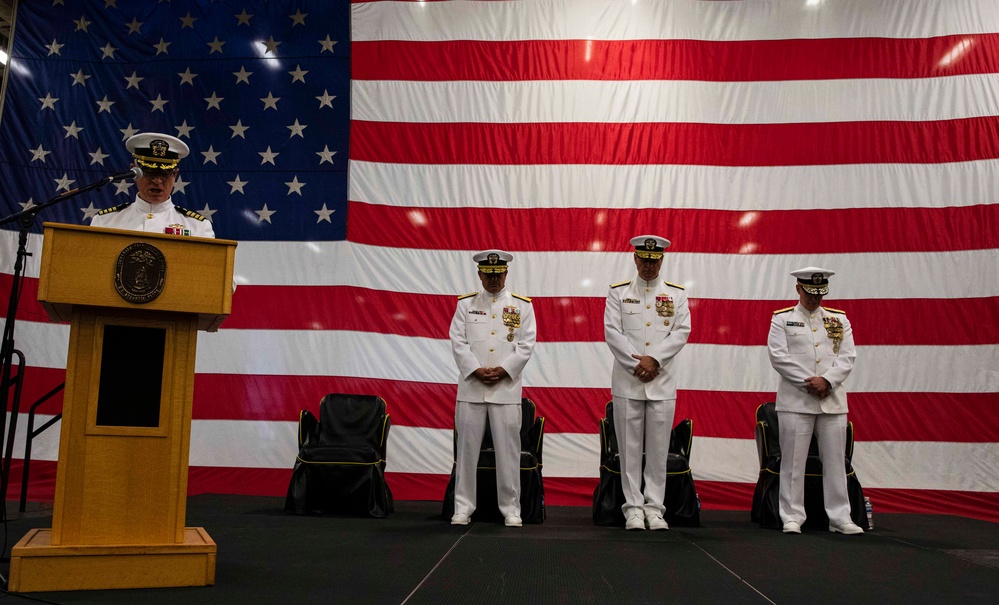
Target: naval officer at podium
<point>158,156</point>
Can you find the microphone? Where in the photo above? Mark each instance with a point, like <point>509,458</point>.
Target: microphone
<point>134,173</point>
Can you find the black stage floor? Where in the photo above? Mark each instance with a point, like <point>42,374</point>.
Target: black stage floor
<point>414,557</point>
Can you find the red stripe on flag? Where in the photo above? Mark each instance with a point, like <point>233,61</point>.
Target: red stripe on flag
<point>725,414</point>
<point>705,60</point>
<point>796,144</point>
<point>705,231</point>
<point>29,309</point>
<point>580,319</point>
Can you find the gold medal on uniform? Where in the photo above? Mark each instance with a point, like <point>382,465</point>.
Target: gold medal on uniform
<point>511,317</point>
<point>834,329</point>
<point>509,337</point>
<point>664,306</point>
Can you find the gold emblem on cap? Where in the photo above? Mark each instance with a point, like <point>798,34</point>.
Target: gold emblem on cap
<point>159,147</point>
<point>493,258</point>
<point>650,244</point>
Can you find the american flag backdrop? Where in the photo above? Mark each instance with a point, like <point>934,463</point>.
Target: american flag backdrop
<point>760,137</point>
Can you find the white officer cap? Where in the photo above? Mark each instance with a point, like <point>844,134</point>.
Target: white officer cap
<point>649,246</point>
<point>492,261</point>
<point>814,280</point>
<point>157,151</point>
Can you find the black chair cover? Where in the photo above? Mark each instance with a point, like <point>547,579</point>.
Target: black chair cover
<point>532,489</point>
<point>765,510</point>
<point>340,467</point>
<point>683,508</point>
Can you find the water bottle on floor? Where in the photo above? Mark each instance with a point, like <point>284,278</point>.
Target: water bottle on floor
<point>870,513</point>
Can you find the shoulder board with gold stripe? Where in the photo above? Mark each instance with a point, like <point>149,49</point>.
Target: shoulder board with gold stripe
<point>518,296</point>
<point>624,283</point>
<point>113,209</point>
<point>470,294</point>
<point>190,213</point>
<point>831,310</point>
<point>785,310</point>
<point>669,283</point>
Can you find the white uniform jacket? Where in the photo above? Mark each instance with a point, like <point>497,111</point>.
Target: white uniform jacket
<point>645,318</point>
<point>490,331</point>
<point>152,218</point>
<point>803,344</point>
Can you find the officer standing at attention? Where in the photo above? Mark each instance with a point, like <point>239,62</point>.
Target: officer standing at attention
<point>646,323</point>
<point>811,347</point>
<point>153,210</point>
<point>492,338</point>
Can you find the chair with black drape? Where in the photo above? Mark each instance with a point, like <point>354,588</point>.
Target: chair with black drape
<point>340,467</point>
<point>532,489</point>
<point>683,508</point>
<point>766,497</point>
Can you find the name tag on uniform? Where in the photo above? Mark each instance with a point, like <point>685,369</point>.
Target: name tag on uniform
<point>796,324</point>
<point>631,301</point>
<point>475,312</point>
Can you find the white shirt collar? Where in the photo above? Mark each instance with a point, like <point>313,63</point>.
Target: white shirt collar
<point>146,208</point>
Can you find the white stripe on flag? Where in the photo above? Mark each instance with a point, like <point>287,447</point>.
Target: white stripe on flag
<point>603,101</point>
<point>268,444</point>
<point>722,276</point>
<point>601,20</point>
<point>626,187</point>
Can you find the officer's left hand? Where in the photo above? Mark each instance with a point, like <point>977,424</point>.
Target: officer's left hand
<point>647,368</point>
<point>494,375</point>
<point>818,386</point>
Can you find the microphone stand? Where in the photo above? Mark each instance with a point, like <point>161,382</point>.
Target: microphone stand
<point>26,220</point>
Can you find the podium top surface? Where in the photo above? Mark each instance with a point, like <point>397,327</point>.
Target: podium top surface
<point>139,234</point>
<point>112,268</point>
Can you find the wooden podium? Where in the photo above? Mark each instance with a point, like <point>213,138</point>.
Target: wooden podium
<point>135,302</point>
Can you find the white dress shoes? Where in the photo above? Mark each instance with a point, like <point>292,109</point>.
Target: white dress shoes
<point>459,519</point>
<point>793,528</point>
<point>635,521</point>
<point>656,522</point>
<point>848,528</point>
<point>513,521</point>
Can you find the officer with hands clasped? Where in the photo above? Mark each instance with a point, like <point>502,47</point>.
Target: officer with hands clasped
<point>492,339</point>
<point>811,348</point>
<point>646,323</point>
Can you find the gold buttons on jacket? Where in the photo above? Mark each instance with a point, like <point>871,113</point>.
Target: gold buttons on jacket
<point>665,322</point>
<point>816,344</point>
<point>648,323</point>
<point>494,316</point>
<point>493,332</point>
<point>648,344</point>
<point>149,216</point>
<point>491,349</point>
<point>648,306</point>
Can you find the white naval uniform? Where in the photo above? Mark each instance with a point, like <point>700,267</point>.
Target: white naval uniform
<point>643,411</point>
<point>481,339</point>
<point>800,347</point>
<point>140,215</point>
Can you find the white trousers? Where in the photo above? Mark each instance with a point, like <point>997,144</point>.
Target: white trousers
<point>643,425</point>
<point>795,437</point>
<point>504,425</point>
